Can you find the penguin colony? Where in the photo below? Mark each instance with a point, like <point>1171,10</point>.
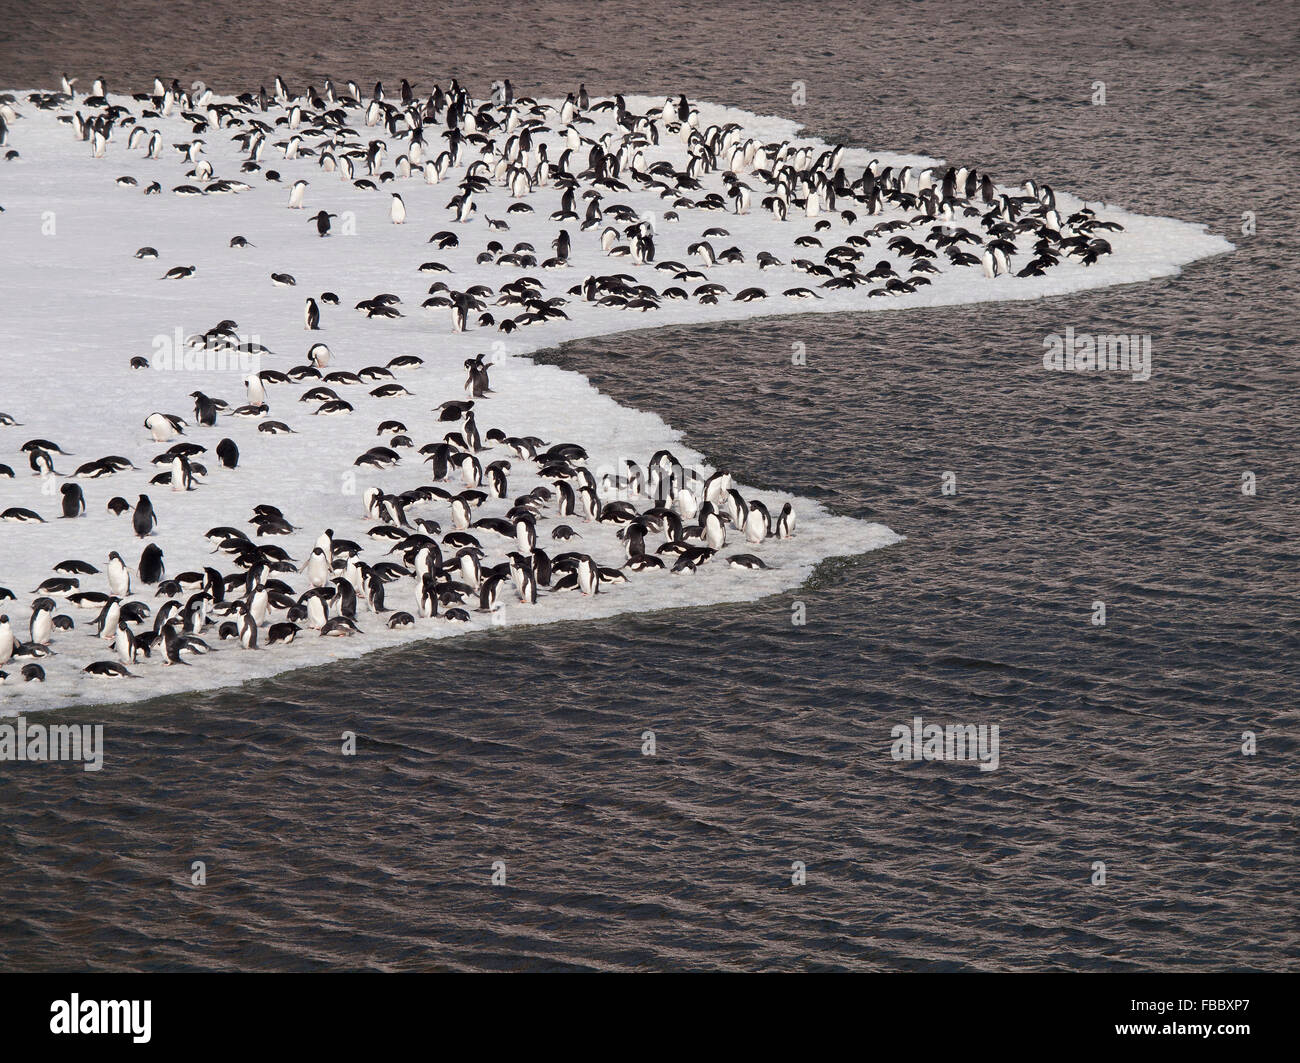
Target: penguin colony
<point>495,519</point>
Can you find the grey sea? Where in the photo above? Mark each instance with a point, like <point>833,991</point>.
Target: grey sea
<point>1120,744</point>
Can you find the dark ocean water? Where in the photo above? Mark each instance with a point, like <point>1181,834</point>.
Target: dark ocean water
<point>1118,743</point>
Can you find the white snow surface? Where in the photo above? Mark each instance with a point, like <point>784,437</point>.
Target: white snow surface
<point>78,306</point>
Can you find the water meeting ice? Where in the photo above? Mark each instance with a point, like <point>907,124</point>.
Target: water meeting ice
<point>454,228</point>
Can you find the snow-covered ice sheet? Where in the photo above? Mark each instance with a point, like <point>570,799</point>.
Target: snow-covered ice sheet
<point>78,306</point>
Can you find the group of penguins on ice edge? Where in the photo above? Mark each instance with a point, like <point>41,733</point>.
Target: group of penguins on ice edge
<point>495,144</point>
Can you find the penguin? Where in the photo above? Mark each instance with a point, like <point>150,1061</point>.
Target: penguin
<point>460,514</point>
<point>785,522</point>
<point>41,463</point>
<point>196,613</point>
<point>339,626</point>
<point>151,569</point>
<point>6,640</point>
<point>397,210</point>
<point>125,644</point>
<point>144,520</point>
<point>428,597</point>
<point>282,632</point>
<point>74,501</point>
<point>487,595</point>
<point>213,585</point>
<point>182,477</point>
<point>119,576</point>
<point>107,620</point>
<point>41,625</point>
<point>687,505</point>
<point>317,567</point>
<point>259,602</point>
<point>715,533</point>
<point>246,628</point>
<point>478,384</point>
<point>325,543</point>
<point>471,573</point>
<point>108,670</point>
<point>296,193</point>
<point>322,220</point>
<point>717,486</point>
<point>228,453</point>
<point>164,426</point>
<point>375,594</point>
<point>588,576</point>
<point>346,597</point>
<point>172,645</point>
<point>205,409</point>
<point>758,523</point>
<point>256,390</point>
<point>311,315</point>
<point>317,612</point>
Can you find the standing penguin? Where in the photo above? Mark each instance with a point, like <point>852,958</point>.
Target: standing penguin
<point>460,309</point>
<point>428,597</point>
<point>258,603</point>
<point>6,640</point>
<point>477,383</point>
<point>757,523</point>
<point>119,576</point>
<point>246,627</point>
<point>228,453</point>
<point>256,390</point>
<point>322,220</point>
<point>74,500</point>
<point>588,576</point>
<point>151,568</point>
<point>182,475</point>
<point>125,644</point>
<point>715,533</point>
<point>205,409</point>
<point>109,617</point>
<point>172,645</point>
<point>785,522</point>
<point>311,315</point>
<point>144,520</point>
<point>397,210</point>
<point>317,567</point>
<point>318,614</point>
<point>41,625</point>
<point>346,598</point>
<point>296,194</point>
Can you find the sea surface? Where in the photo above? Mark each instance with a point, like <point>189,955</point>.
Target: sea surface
<point>1119,744</point>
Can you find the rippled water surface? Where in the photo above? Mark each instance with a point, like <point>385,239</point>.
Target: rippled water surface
<point>1118,743</point>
